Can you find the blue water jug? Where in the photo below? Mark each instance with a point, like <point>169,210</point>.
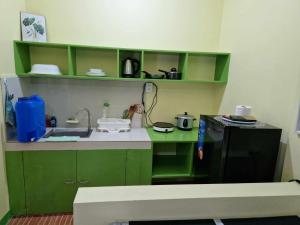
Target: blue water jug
<point>30,115</point>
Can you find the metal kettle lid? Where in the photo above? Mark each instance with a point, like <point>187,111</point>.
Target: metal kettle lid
<point>185,116</point>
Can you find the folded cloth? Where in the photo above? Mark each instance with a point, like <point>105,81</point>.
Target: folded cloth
<point>10,115</point>
<point>63,138</point>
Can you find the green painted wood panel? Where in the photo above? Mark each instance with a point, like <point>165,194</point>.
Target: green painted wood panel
<point>139,167</point>
<point>71,61</point>
<point>101,168</point>
<point>5,219</point>
<point>22,58</point>
<point>175,136</point>
<point>171,159</point>
<point>222,68</point>
<point>15,181</point>
<point>50,181</point>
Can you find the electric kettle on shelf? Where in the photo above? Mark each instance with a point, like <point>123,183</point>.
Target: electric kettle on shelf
<point>130,67</point>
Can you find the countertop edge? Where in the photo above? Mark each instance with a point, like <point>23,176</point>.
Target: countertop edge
<point>87,145</point>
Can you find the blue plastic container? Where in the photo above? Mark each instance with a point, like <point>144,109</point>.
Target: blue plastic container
<point>30,115</point>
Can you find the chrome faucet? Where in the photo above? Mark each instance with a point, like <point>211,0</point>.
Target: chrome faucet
<point>89,116</point>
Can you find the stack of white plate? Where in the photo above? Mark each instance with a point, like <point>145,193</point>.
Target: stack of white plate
<point>96,72</point>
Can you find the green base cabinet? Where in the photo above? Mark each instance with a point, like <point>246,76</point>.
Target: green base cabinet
<point>42,182</point>
<point>50,181</point>
<point>101,168</point>
<point>16,183</point>
<point>139,167</point>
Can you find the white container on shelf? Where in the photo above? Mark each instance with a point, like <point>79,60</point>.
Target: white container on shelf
<point>45,69</point>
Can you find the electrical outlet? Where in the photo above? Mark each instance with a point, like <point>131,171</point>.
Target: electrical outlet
<point>149,87</point>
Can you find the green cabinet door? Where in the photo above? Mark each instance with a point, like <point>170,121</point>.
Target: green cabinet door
<point>50,181</point>
<point>139,167</point>
<point>101,168</point>
<point>15,181</point>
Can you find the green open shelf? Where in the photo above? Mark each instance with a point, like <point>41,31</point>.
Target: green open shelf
<point>172,159</point>
<point>75,60</point>
<point>169,166</point>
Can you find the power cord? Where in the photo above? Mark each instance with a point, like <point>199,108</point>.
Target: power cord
<point>295,180</point>
<point>153,103</point>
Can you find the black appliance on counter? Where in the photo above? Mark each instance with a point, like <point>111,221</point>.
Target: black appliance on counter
<point>286,220</point>
<point>239,153</point>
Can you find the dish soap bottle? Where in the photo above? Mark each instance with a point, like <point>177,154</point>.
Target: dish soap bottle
<point>105,109</point>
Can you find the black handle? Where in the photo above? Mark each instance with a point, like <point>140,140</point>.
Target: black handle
<point>147,75</point>
<point>136,66</point>
<point>166,72</point>
<point>185,123</point>
<point>145,72</point>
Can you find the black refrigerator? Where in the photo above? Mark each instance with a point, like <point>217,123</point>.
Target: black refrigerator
<point>237,153</point>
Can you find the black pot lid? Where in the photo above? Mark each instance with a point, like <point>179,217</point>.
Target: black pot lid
<point>163,125</point>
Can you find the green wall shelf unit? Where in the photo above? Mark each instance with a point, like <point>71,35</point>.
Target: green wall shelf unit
<point>75,60</point>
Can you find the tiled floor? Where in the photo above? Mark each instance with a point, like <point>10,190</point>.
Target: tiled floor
<point>65,219</point>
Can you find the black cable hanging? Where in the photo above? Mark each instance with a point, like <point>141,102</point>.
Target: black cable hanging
<point>153,103</point>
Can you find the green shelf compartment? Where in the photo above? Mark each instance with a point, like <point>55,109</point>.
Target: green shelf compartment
<point>172,160</point>
<point>91,57</point>
<point>29,53</point>
<point>164,60</point>
<point>134,54</point>
<point>207,67</point>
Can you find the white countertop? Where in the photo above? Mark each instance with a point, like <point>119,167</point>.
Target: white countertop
<point>136,138</point>
<point>159,192</point>
<point>107,205</point>
<point>135,134</point>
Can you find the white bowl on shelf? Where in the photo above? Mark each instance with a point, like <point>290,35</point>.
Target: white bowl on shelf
<point>45,69</point>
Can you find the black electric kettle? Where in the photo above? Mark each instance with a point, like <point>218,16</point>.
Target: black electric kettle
<point>130,67</point>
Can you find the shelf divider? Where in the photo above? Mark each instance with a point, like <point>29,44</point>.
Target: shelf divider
<point>72,61</point>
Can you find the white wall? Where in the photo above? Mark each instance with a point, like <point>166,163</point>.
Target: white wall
<point>168,24</point>
<point>264,39</point>
<point>65,97</point>
<point>9,23</point>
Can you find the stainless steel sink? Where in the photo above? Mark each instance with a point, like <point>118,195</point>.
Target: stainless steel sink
<point>58,132</point>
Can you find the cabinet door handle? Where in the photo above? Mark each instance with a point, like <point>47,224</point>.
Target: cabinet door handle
<point>69,182</point>
<point>83,181</point>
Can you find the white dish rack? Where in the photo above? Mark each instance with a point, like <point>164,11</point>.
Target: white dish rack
<point>113,125</point>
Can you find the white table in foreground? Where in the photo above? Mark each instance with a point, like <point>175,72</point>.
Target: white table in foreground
<point>105,205</point>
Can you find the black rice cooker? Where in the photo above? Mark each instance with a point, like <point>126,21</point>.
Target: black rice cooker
<point>185,121</point>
